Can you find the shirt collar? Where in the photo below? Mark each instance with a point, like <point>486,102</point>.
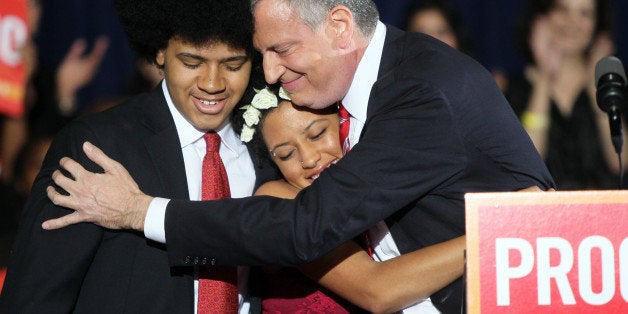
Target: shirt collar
<point>188,134</point>
<point>357,98</point>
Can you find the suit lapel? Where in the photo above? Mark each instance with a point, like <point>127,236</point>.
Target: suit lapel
<point>391,57</point>
<point>393,49</point>
<point>163,146</point>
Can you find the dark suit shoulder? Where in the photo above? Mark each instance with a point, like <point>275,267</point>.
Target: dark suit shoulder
<point>421,58</point>
<point>468,99</point>
<point>131,111</point>
<point>96,268</point>
<point>126,125</point>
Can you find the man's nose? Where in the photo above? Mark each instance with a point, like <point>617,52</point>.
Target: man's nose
<point>211,80</point>
<point>273,70</point>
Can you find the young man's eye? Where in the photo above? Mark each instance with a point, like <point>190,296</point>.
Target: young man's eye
<point>191,65</point>
<point>234,67</point>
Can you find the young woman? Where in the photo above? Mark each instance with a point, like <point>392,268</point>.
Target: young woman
<point>303,143</point>
<point>562,41</point>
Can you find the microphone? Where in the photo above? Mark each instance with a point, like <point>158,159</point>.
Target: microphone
<point>611,95</point>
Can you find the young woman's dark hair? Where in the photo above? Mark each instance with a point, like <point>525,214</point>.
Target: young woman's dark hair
<point>257,143</point>
<point>237,121</point>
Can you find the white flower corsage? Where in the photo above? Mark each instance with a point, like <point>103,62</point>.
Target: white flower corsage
<point>263,99</point>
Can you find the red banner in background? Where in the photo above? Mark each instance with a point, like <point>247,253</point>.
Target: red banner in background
<point>13,35</point>
<point>547,252</point>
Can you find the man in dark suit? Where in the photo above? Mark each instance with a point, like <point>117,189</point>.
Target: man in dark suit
<point>207,60</point>
<point>428,125</point>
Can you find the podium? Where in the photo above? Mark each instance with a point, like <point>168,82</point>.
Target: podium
<point>547,252</point>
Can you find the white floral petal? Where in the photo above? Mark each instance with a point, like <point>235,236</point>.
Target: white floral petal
<point>247,133</point>
<point>251,116</point>
<point>284,94</point>
<point>264,99</point>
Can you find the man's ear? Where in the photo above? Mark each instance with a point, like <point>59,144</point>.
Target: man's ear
<point>160,58</point>
<point>340,26</point>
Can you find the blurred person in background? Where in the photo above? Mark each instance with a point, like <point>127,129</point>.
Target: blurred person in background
<point>63,22</point>
<point>51,93</point>
<point>439,19</point>
<point>555,98</point>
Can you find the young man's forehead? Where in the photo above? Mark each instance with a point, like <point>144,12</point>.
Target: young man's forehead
<point>208,43</point>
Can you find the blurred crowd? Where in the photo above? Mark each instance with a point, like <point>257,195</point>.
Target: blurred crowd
<point>553,92</point>
<point>78,80</point>
<point>77,61</point>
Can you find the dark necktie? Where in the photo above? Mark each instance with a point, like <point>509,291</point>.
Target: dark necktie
<point>217,285</point>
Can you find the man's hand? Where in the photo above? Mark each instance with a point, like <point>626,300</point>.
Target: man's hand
<point>111,199</point>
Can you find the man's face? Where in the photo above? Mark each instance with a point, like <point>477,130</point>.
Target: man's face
<point>307,62</point>
<point>205,82</point>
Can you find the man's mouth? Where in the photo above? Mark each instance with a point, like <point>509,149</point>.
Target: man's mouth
<point>209,103</point>
<point>291,85</point>
<point>210,106</point>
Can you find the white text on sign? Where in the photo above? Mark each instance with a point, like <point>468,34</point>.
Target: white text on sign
<point>546,272</point>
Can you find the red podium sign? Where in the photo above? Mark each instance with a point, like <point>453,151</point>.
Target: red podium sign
<point>13,36</point>
<point>547,252</point>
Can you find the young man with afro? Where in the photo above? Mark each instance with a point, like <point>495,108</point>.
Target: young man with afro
<point>204,49</point>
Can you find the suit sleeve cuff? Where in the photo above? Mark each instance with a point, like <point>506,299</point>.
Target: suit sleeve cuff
<point>154,224</point>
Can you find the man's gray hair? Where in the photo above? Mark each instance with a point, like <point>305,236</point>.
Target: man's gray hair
<point>314,12</point>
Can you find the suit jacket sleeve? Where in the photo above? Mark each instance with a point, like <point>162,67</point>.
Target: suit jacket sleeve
<point>47,268</point>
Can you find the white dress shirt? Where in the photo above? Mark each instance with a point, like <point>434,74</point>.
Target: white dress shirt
<point>240,171</point>
<point>356,102</point>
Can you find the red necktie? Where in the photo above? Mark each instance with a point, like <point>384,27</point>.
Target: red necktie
<point>217,289</point>
<point>345,124</point>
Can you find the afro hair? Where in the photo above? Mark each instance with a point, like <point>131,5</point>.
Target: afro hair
<point>150,24</point>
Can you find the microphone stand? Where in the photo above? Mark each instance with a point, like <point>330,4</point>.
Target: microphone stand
<point>614,120</point>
